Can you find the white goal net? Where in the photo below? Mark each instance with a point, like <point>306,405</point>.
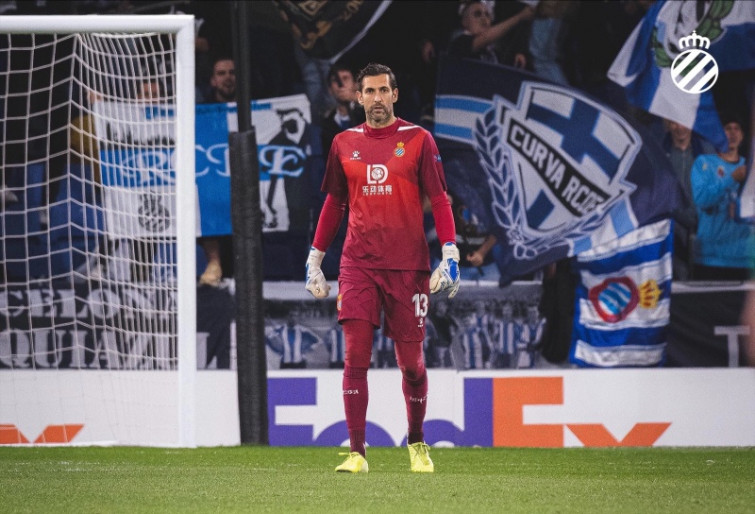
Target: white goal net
<point>97,266</point>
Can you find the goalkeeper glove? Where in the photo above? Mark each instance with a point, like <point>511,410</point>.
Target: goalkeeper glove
<point>316,283</point>
<point>446,275</point>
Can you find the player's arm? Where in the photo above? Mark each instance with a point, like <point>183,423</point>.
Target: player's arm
<point>330,219</point>
<point>446,275</point>
<point>327,227</point>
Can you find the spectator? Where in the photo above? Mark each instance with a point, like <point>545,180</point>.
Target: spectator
<point>506,333</point>
<point>477,37</point>
<point>682,147</point>
<point>529,340</point>
<point>336,346</point>
<point>725,244</point>
<point>475,245</point>
<point>475,339</point>
<point>346,113</point>
<point>218,250</point>
<point>292,341</point>
<point>546,38</point>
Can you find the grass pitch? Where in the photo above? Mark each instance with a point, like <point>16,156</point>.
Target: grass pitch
<point>266,479</point>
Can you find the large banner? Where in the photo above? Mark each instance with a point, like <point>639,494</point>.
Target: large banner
<point>548,170</point>
<point>284,143</point>
<point>137,142</point>
<point>65,327</point>
<point>138,165</point>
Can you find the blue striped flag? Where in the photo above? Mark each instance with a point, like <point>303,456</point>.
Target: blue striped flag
<point>645,65</point>
<point>623,299</point>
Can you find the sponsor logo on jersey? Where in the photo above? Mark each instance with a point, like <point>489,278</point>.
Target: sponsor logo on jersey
<point>377,174</point>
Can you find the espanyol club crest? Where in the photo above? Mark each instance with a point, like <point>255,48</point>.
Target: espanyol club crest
<point>556,163</point>
<point>694,70</point>
<point>615,298</point>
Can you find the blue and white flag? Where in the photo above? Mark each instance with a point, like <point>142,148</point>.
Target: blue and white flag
<point>548,170</point>
<point>645,66</point>
<point>623,300</point>
<point>281,127</point>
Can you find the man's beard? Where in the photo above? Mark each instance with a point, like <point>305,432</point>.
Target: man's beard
<point>226,94</point>
<point>381,115</point>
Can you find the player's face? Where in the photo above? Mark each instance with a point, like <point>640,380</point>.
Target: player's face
<point>378,98</point>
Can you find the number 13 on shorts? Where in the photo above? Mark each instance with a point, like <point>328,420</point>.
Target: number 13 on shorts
<point>421,302</point>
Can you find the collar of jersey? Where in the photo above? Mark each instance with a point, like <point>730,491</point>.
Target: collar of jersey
<point>382,132</point>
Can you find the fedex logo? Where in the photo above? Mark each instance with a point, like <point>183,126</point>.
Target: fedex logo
<point>493,415</point>
<point>10,434</point>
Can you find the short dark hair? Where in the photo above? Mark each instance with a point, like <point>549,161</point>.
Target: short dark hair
<point>732,117</point>
<point>336,69</point>
<point>374,69</point>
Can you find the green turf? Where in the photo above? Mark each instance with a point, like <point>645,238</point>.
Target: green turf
<point>468,480</point>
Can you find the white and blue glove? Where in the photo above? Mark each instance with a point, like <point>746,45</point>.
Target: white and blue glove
<point>446,275</point>
<point>316,283</point>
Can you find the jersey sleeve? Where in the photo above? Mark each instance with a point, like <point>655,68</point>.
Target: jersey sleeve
<point>431,173</point>
<point>334,181</point>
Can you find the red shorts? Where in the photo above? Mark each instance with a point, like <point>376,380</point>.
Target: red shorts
<point>404,296</point>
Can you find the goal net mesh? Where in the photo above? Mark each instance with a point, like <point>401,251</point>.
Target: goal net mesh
<point>88,262</point>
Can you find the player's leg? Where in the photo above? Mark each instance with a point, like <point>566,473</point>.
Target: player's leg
<point>406,296</point>
<point>358,336</point>
<point>414,385</point>
<point>358,312</point>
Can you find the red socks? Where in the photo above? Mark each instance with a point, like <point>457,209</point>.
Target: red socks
<point>355,397</point>
<point>415,396</point>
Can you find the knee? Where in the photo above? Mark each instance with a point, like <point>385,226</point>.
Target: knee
<point>414,373</point>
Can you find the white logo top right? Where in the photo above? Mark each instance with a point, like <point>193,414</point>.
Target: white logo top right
<point>694,70</point>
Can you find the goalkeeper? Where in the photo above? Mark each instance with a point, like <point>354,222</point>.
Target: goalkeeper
<point>382,169</point>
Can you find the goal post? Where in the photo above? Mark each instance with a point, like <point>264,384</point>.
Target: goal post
<point>76,318</point>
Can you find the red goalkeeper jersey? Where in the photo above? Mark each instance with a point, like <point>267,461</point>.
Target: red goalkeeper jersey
<point>385,174</point>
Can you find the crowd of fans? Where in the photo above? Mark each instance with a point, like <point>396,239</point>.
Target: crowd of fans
<point>568,42</point>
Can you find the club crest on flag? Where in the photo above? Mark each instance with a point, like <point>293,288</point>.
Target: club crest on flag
<point>694,70</point>
<point>556,164</point>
